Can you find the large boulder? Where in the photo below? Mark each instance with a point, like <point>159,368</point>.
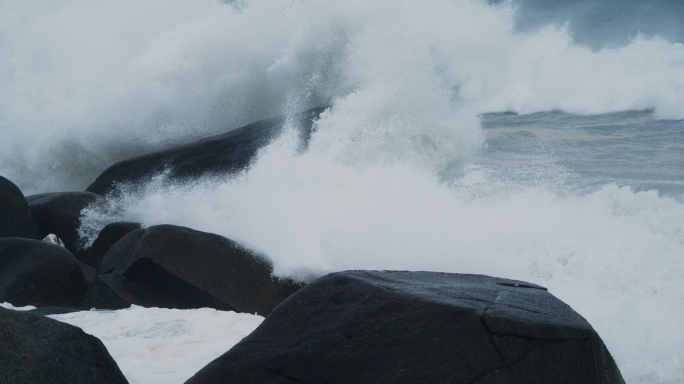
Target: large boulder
<point>195,267</point>
<point>107,237</point>
<point>15,216</point>
<point>417,327</point>
<point>38,350</point>
<point>227,152</point>
<point>114,291</point>
<point>60,214</point>
<point>36,273</point>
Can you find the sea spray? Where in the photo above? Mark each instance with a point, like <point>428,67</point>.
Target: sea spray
<point>391,179</point>
<point>86,84</point>
<point>614,255</point>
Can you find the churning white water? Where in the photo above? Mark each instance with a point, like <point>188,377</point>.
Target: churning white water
<point>164,346</point>
<point>394,176</point>
<point>86,83</point>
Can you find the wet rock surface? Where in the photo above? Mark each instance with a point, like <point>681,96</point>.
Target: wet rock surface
<point>418,327</point>
<point>60,213</point>
<point>114,291</point>
<point>193,268</point>
<point>35,349</point>
<point>15,217</point>
<point>107,237</point>
<point>223,153</point>
<point>33,272</point>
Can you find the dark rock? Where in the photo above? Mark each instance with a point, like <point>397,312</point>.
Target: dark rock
<point>108,236</point>
<point>36,273</point>
<point>197,268</point>
<point>15,216</point>
<point>117,292</point>
<point>60,213</point>
<point>45,311</point>
<point>228,152</point>
<point>417,327</point>
<point>38,350</point>
<point>88,272</point>
<point>105,293</point>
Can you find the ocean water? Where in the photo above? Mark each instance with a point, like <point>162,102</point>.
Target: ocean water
<point>164,346</point>
<point>541,141</point>
<point>158,345</point>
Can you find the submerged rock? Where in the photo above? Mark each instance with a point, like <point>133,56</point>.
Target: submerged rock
<point>15,217</point>
<point>167,264</point>
<point>418,327</point>
<point>227,152</point>
<point>60,214</point>
<point>35,349</point>
<point>36,273</point>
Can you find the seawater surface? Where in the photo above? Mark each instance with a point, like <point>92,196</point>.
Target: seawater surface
<point>531,140</point>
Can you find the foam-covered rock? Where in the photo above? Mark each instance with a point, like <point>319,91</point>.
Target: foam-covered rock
<point>194,267</point>
<point>60,214</point>
<point>33,272</point>
<point>418,327</point>
<point>227,152</point>
<point>38,350</point>
<point>15,217</point>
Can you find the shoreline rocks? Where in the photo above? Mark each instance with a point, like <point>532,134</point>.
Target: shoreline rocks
<point>196,268</point>
<point>34,272</point>
<point>35,349</point>
<point>15,217</point>
<point>60,214</point>
<point>228,152</point>
<point>107,237</point>
<point>418,327</point>
<point>347,327</point>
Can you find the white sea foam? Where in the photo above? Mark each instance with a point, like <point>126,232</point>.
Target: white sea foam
<point>163,346</point>
<point>83,83</point>
<point>615,255</point>
<point>10,306</point>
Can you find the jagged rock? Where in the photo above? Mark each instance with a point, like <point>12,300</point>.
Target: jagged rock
<point>418,327</point>
<point>60,214</point>
<point>36,273</point>
<point>38,350</point>
<point>227,152</point>
<point>15,216</point>
<point>107,237</point>
<point>199,269</point>
<point>53,239</point>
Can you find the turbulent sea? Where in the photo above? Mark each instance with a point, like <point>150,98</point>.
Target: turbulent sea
<point>535,140</point>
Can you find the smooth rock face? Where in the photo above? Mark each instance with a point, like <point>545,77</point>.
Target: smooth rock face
<point>107,237</point>
<point>33,272</point>
<point>417,327</point>
<point>15,216</point>
<point>195,268</point>
<point>60,213</point>
<point>38,350</point>
<point>114,291</point>
<point>227,152</point>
